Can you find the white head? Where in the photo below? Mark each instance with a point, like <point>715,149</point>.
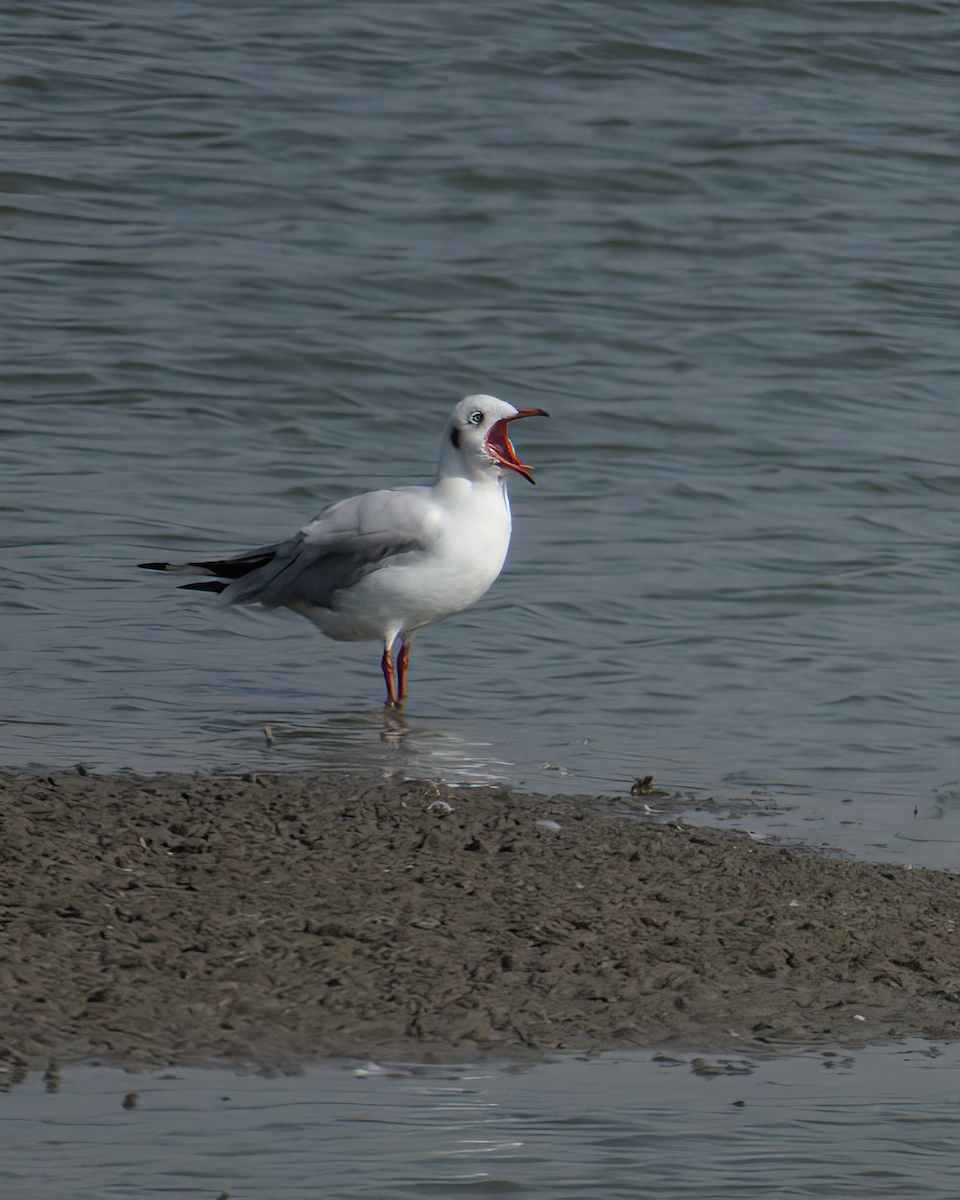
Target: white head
<point>476,441</point>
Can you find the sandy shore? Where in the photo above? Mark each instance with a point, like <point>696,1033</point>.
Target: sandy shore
<point>274,917</point>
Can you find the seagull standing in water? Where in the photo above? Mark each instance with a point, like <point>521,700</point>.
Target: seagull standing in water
<point>384,564</point>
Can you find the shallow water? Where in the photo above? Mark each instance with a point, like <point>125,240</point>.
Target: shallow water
<point>256,254</point>
<point>830,1123</point>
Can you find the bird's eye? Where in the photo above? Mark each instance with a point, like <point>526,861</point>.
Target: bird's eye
<point>475,418</point>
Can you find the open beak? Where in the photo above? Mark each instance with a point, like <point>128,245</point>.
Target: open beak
<point>497,442</point>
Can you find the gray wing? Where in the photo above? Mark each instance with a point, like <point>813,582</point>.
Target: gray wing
<point>300,573</point>
<point>346,542</point>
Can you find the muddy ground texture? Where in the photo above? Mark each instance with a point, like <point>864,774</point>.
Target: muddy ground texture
<point>277,917</point>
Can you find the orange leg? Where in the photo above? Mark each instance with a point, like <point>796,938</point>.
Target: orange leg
<point>386,665</point>
<point>403,661</point>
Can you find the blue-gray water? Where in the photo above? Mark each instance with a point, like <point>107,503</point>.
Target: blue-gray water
<point>827,1123</point>
<point>256,252</point>
<point>254,255</point>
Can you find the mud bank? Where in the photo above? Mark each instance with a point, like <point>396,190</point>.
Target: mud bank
<point>275,917</point>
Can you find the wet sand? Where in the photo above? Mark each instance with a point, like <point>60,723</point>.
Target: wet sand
<point>272,918</point>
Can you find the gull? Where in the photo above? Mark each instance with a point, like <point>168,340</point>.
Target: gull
<point>384,564</point>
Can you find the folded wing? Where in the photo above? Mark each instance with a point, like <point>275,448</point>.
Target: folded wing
<point>340,546</point>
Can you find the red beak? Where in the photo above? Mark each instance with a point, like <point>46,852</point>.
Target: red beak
<point>499,446</point>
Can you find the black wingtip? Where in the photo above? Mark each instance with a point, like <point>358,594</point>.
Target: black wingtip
<point>153,566</point>
<point>213,585</point>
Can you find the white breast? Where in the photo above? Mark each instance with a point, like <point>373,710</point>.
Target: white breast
<point>467,545</point>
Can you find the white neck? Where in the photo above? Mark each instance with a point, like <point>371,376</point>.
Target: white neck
<point>457,462</point>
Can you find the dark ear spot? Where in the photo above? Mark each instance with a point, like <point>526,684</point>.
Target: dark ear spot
<point>455,438</point>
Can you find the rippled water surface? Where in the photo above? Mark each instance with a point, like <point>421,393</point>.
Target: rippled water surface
<point>817,1123</point>
<point>256,252</point>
